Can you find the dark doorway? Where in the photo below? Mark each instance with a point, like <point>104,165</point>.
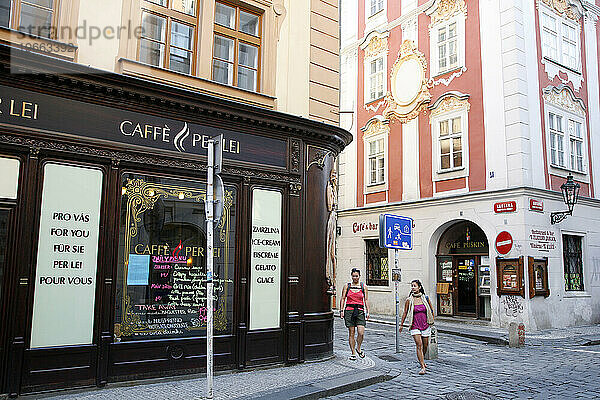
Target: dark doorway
<point>462,250</point>
<point>5,215</point>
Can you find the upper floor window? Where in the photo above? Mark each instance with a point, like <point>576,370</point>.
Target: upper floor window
<point>376,161</point>
<point>237,43</point>
<point>560,40</point>
<point>168,35</point>
<point>376,78</point>
<point>376,6</point>
<point>448,45</point>
<point>450,143</point>
<point>36,17</point>
<point>566,142</point>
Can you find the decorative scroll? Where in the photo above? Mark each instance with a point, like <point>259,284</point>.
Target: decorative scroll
<point>449,102</point>
<point>562,97</point>
<point>375,126</point>
<point>447,9</point>
<point>377,45</point>
<point>561,7</point>
<point>410,94</point>
<point>316,156</point>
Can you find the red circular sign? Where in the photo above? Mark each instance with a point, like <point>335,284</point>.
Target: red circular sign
<point>504,242</point>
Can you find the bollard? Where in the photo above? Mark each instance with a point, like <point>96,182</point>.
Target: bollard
<point>516,335</point>
<point>432,350</point>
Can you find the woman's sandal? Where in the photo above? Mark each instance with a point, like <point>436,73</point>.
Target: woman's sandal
<point>352,357</point>
<point>361,354</point>
<point>422,371</point>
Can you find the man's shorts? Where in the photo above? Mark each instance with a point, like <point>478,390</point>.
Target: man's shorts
<point>360,319</point>
<point>425,333</point>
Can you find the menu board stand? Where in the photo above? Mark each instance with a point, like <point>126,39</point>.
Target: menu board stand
<point>510,278</point>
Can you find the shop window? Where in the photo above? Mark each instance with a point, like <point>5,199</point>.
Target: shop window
<point>560,40</point>
<point>169,29</point>
<point>573,262</point>
<point>237,45</point>
<point>36,17</point>
<point>448,45</point>
<point>375,73</point>
<point>567,141</point>
<point>161,276</point>
<point>376,264</point>
<point>376,161</point>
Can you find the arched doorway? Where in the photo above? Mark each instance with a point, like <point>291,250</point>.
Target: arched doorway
<point>463,271</point>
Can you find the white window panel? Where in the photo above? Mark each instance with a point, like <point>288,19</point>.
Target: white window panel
<point>560,39</point>
<point>447,45</point>
<point>376,161</point>
<point>566,140</point>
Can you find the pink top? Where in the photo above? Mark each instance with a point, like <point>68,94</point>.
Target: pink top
<point>420,318</point>
<point>353,297</point>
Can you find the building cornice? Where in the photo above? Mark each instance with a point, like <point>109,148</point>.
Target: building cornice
<point>465,198</point>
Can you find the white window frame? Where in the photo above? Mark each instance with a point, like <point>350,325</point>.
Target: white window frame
<point>440,174</point>
<point>566,138</point>
<point>368,76</point>
<point>559,36</point>
<point>586,262</point>
<point>374,7</point>
<point>459,20</point>
<point>381,154</point>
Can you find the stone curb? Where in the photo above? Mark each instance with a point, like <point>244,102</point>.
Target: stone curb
<point>328,386</point>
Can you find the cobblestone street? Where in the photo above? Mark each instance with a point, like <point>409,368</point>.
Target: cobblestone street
<point>549,367</point>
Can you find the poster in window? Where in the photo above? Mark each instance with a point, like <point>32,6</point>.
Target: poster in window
<point>509,276</point>
<point>161,275</point>
<point>67,257</point>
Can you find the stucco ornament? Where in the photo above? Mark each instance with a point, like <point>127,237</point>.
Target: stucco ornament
<point>563,98</point>
<point>562,7</point>
<point>449,102</point>
<point>410,94</point>
<point>375,126</point>
<point>447,9</point>
<point>377,45</point>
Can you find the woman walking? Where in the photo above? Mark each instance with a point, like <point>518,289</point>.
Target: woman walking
<point>354,309</point>
<point>418,308</point>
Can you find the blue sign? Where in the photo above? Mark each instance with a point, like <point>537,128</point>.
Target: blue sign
<point>395,232</point>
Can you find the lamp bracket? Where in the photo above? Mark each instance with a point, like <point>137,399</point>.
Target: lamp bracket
<point>557,217</point>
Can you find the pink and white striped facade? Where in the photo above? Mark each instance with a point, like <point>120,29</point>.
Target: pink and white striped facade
<point>457,105</point>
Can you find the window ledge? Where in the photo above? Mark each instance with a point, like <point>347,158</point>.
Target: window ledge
<point>563,171</point>
<point>578,295</point>
<point>370,102</point>
<point>449,174</point>
<point>447,72</point>
<point>562,66</point>
<point>37,44</point>
<point>375,188</point>
<point>197,84</point>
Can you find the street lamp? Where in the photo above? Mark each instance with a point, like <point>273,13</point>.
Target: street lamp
<point>570,193</point>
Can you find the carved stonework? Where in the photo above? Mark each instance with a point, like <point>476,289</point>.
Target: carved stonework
<point>316,156</point>
<point>376,126</point>
<point>295,155</point>
<point>295,188</point>
<point>562,7</point>
<point>409,95</point>
<point>447,9</point>
<point>377,45</point>
<point>448,104</point>
<point>563,98</point>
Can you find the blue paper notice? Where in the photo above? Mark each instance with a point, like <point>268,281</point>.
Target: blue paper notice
<point>138,269</point>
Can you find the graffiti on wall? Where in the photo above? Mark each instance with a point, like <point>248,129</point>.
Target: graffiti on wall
<point>595,277</point>
<point>513,306</point>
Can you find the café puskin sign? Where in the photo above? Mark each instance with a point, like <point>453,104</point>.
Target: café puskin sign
<point>65,117</point>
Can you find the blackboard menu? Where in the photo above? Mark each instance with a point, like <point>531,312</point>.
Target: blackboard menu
<point>161,289</point>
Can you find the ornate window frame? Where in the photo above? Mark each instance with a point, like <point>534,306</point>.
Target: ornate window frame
<point>449,105</point>
<point>560,100</point>
<point>375,46</point>
<point>376,128</point>
<point>443,13</point>
<point>563,12</point>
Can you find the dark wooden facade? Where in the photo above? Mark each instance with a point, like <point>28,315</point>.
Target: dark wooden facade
<point>306,328</point>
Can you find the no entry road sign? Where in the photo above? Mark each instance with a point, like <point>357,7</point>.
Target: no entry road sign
<point>395,232</point>
<point>504,242</point>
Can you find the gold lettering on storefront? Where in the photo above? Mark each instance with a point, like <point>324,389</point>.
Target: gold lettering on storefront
<point>23,109</point>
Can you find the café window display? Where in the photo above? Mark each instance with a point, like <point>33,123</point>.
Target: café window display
<point>161,279</point>
<point>376,264</point>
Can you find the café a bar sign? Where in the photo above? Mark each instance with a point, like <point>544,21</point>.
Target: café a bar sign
<point>68,118</point>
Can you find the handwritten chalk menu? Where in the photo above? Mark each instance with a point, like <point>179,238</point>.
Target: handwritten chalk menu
<point>65,281</point>
<point>265,256</point>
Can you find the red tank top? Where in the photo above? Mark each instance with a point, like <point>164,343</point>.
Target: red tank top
<point>353,297</point>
